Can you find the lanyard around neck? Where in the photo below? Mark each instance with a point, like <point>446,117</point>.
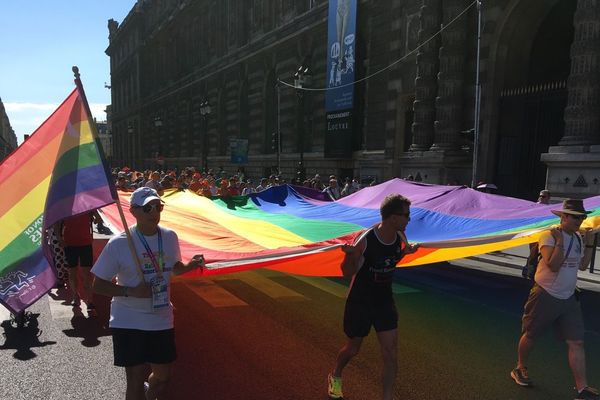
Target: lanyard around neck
<point>156,263</point>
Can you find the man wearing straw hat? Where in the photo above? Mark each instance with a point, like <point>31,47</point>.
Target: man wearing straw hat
<point>553,300</point>
<point>141,315</point>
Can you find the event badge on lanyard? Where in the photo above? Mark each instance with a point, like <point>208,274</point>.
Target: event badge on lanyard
<point>160,289</point>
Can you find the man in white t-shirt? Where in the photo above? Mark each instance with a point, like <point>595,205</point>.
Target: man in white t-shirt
<point>553,301</point>
<point>141,314</point>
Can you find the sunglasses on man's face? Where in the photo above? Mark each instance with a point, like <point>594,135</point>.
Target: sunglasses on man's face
<point>148,208</point>
<point>577,217</point>
<point>407,215</point>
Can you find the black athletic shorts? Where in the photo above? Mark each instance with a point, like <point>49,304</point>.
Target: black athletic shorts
<point>79,255</point>
<point>133,347</point>
<point>359,317</point>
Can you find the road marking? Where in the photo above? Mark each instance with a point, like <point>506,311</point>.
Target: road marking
<point>214,294</point>
<point>401,289</point>
<point>325,285</point>
<point>265,285</point>
<point>334,288</point>
<point>57,309</point>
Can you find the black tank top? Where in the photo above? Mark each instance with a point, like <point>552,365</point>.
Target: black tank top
<point>373,282</point>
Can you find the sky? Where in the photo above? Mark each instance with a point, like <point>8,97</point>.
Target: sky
<point>40,40</point>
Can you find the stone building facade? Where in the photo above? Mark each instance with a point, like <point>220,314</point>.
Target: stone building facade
<point>191,76</point>
<point>8,139</point>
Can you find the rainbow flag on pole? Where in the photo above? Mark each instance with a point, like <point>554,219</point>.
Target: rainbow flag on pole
<point>57,173</point>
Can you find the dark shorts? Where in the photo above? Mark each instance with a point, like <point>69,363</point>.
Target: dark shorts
<point>542,311</point>
<point>359,317</point>
<point>133,347</point>
<point>79,255</point>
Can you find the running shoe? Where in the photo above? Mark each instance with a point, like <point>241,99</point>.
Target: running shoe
<point>334,387</point>
<point>588,393</point>
<point>521,377</point>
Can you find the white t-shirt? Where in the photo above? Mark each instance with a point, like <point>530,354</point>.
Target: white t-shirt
<point>117,261</point>
<point>560,284</point>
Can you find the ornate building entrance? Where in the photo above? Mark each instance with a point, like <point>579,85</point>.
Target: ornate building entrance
<point>532,104</point>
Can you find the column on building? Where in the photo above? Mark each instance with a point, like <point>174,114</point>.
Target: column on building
<point>426,81</point>
<point>582,114</point>
<point>449,103</point>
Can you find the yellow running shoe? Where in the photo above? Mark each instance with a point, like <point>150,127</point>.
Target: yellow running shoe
<point>334,387</point>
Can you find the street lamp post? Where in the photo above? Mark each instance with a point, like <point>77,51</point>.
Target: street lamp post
<point>276,136</point>
<point>302,77</point>
<point>477,115</point>
<point>159,155</point>
<point>204,113</point>
<point>130,144</point>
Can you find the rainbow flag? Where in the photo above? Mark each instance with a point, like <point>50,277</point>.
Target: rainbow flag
<point>286,230</point>
<point>57,173</point>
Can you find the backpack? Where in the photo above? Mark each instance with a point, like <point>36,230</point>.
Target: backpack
<point>534,258</point>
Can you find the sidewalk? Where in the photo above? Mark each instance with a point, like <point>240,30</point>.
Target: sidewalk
<point>511,261</point>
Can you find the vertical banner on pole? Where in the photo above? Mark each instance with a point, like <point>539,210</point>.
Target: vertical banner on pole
<point>339,99</point>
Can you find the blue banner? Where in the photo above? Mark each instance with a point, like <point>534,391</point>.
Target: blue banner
<point>239,151</point>
<point>341,55</point>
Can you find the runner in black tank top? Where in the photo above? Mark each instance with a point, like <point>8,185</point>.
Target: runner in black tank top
<point>373,281</point>
<point>371,262</point>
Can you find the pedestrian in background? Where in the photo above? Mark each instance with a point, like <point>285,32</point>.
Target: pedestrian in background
<point>544,197</point>
<point>76,236</point>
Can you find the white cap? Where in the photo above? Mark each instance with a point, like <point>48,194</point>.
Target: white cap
<point>143,196</point>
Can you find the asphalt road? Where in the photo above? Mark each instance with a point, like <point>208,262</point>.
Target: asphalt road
<point>265,335</point>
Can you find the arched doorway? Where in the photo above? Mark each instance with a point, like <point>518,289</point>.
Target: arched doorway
<point>533,95</point>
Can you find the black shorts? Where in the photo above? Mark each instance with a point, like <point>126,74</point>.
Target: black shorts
<point>133,347</point>
<point>359,317</point>
<point>79,255</point>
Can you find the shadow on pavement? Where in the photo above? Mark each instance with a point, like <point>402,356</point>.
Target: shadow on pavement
<point>90,329</point>
<point>22,337</point>
<point>61,294</point>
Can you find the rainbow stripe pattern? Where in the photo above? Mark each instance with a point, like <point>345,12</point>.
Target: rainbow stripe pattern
<point>284,230</point>
<point>58,172</point>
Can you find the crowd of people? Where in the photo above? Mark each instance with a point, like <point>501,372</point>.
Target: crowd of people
<point>223,184</point>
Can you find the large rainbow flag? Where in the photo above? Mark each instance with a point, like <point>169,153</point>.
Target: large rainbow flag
<point>285,230</point>
<point>58,172</point>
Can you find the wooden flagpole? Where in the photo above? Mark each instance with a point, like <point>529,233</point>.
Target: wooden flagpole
<point>113,190</point>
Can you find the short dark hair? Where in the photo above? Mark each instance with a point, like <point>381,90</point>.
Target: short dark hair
<point>392,204</point>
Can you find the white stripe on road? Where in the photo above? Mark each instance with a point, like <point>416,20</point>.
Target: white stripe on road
<point>401,289</point>
<point>325,285</point>
<point>214,294</point>
<point>334,288</point>
<point>263,284</point>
